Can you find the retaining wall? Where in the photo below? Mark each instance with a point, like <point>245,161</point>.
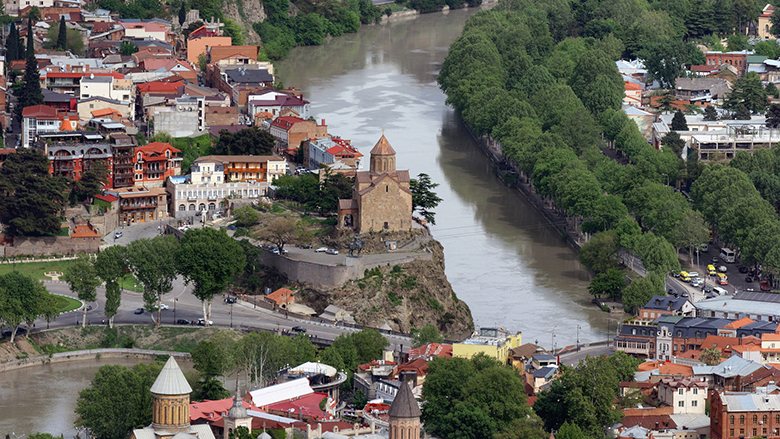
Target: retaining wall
<point>88,354</point>
<point>50,245</point>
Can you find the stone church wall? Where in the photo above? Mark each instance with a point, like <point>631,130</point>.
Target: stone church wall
<point>387,203</point>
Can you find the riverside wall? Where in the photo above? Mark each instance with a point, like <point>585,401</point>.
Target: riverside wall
<point>88,354</point>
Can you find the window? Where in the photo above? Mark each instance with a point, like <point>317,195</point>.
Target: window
<point>680,392</point>
<point>681,404</point>
<point>755,420</point>
<point>742,421</point>
<point>694,403</point>
<point>731,421</point>
<point>731,432</point>
<point>695,391</point>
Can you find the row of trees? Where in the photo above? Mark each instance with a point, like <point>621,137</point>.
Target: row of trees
<point>207,258</point>
<point>24,300</point>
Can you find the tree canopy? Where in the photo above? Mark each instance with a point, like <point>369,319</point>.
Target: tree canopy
<point>249,141</point>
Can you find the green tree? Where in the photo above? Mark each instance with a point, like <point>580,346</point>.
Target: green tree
<point>570,431</point>
<point>710,114</point>
<point>209,259</point>
<point>748,92</point>
<point>203,62</point>
<point>598,254</point>
<point>153,261</point>
<point>91,182</point>
<point>773,116</point>
<point>597,82</point>
<point>690,232</point>
<point>428,334</point>
<point>82,279</point>
<point>110,267</point>
<point>240,433</point>
<point>24,299</point>
<point>31,201</point>
<point>609,283</point>
<point>182,13</point>
<point>280,231</point>
<point>639,292</point>
<point>771,88</point>
<point>117,400</point>
<point>31,92</point>
<point>742,113</point>
<point>665,61</point>
<point>424,200</point>
<point>246,216</point>
<point>127,48</point>
<point>674,142</point>
<point>711,356</point>
<point>657,254</point>
<point>678,122</point>
<point>12,44</point>
<point>62,35</point>
<point>249,141</point>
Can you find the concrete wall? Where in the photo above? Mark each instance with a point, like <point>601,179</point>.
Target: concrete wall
<point>176,123</point>
<point>51,245</point>
<point>333,275</point>
<point>90,354</point>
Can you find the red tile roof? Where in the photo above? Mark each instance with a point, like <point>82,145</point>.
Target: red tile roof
<point>431,350</point>
<point>84,231</point>
<point>308,405</point>
<point>286,122</point>
<point>107,198</point>
<point>280,296</point>
<point>159,87</point>
<point>40,112</point>
<point>212,411</point>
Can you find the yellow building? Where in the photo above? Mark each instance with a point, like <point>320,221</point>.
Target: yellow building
<point>493,342</point>
<point>764,22</point>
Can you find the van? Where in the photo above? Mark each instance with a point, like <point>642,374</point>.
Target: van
<point>684,276</point>
<point>722,279</point>
<point>711,270</point>
<point>727,255</point>
<point>720,291</point>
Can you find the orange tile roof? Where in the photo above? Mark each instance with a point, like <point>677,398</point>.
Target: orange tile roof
<point>650,365</point>
<point>659,411</point>
<point>770,337</point>
<point>739,323</point>
<point>675,369</point>
<point>632,86</point>
<point>84,231</point>
<point>775,365</point>
<point>280,296</point>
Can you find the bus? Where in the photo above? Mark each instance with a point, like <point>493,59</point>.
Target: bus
<point>727,255</point>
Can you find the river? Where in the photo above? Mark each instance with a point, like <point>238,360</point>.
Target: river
<point>503,260</point>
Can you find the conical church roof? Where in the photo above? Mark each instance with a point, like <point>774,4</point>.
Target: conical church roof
<point>404,405</point>
<point>171,380</point>
<point>383,147</point>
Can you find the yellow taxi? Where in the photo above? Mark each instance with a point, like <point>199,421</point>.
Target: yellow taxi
<point>722,279</point>
<point>711,270</point>
<point>684,276</point>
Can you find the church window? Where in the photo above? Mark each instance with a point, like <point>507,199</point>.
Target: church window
<point>387,226</point>
<point>387,188</point>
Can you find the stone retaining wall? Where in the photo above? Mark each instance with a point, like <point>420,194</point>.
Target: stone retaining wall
<point>50,245</point>
<point>89,354</point>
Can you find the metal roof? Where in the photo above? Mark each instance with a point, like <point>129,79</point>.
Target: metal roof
<point>734,366</point>
<point>171,380</point>
<point>749,402</point>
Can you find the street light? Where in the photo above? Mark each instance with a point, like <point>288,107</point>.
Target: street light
<point>552,339</point>
<point>578,337</point>
<point>231,314</point>
<point>174,309</point>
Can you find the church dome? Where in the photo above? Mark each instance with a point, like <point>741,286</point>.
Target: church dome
<point>238,410</point>
<point>263,435</point>
<point>171,380</point>
<point>383,147</point>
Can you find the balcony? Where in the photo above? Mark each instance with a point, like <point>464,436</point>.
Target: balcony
<point>192,198</point>
<point>139,206</point>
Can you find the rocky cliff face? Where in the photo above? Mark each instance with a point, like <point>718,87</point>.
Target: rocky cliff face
<point>246,13</point>
<point>405,297</point>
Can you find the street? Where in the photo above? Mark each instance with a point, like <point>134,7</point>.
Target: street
<point>183,305</point>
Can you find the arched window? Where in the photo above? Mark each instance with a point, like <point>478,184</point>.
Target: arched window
<point>764,419</point>
<point>731,419</point>
<point>202,206</point>
<point>192,207</point>
<point>741,419</point>
<point>182,208</point>
<point>755,419</point>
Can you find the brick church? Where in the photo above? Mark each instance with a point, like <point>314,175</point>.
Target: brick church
<point>381,198</point>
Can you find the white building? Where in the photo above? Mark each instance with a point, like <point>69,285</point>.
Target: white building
<point>687,395</point>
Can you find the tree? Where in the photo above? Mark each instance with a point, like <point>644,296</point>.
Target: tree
<point>710,114</point>
<point>666,60</point>
<point>31,92</point>
<point>639,292</point>
<point>240,433</point>
<point>62,35</point>
<point>209,259</point>
<point>31,201</point>
<point>678,122</point>
<point>91,182</point>
<point>748,92</point>
<point>597,82</point>
<point>711,356</point>
<point>153,261</point>
<point>12,44</point>
<point>117,400</point>
<point>280,231</point>
<point>773,116</point>
<point>246,216</point>
<point>182,13</point>
<point>127,48</point>
<point>771,88</point>
<point>110,267</point>
<point>690,232</point>
<point>249,141</point>
<point>609,283</point>
<point>598,254</point>
<point>203,61</point>
<point>24,299</point>
<point>424,200</point>
<point>214,358</point>
<point>742,113</point>
<point>82,279</point>
<point>570,431</point>
<point>428,334</point>
<point>674,142</point>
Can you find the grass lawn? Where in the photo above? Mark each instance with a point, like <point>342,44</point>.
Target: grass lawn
<point>66,303</point>
<point>37,270</point>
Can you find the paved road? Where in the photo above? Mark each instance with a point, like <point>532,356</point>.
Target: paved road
<point>573,358</point>
<point>183,305</point>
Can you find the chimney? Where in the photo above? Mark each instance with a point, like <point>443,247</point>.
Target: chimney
<point>323,122</point>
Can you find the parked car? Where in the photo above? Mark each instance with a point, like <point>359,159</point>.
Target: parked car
<point>230,300</point>
<point>684,276</point>
<point>749,279</point>
<point>671,292</point>
<point>684,294</point>
<point>707,289</point>
<point>693,274</point>
<point>139,311</point>
<point>183,322</point>
<point>117,235</point>
<point>321,250</point>
<point>164,306</point>
<point>714,259</point>
<point>332,251</point>
<point>704,248</point>
<point>697,282</point>
<point>722,269</point>
<point>298,329</point>
<point>202,322</point>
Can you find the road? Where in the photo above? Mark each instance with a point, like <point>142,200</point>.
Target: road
<point>183,305</point>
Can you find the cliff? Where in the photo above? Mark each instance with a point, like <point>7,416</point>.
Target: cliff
<point>405,297</point>
<point>245,13</point>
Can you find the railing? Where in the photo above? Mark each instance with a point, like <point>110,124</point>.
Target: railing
<point>139,206</point>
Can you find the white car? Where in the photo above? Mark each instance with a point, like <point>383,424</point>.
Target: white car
<point>693,274</point>
<point>321,250</point>
<point>332,251</point>
<point>163,306</point>
<point>697,282</point>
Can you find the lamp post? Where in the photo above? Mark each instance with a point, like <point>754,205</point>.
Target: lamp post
<point>578,337</point>
<point>552,339</point>
<point>174,309</point>
<point>231,314</point>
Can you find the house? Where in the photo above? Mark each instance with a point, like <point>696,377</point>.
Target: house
<point>59,101</point>
<point>666,305</point>
<point>701,89</point>
<point>330,150</point>
<point>431,350</point>
<point>249,167</point>
<point>728,374</point>
<point>71,153</point>
<point>282,298</point>
<point>123,147</point>
<point>145,29</point>
<point>184,118</point>
<point>120,89</point>
<point>738,60</point>
<point>291,131</point>
<point>493,342</point>
<point>335,314</point>
<point>759,306</point>
<point>154,163</point>
<point>275,101</point>
<point>138,204</point>
<point>686,395</point>
<point>70,83</point>
<point>765,23</point>
<point>219,52</point>
<point>745,414</point>
<point>208,186</point>
<point>633,94</point>
<point>39,119</point>
<point>199,43</point>
<point>98,106</point>
<point>216,115</point>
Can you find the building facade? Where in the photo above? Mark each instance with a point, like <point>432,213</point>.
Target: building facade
<point>154,163</point>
